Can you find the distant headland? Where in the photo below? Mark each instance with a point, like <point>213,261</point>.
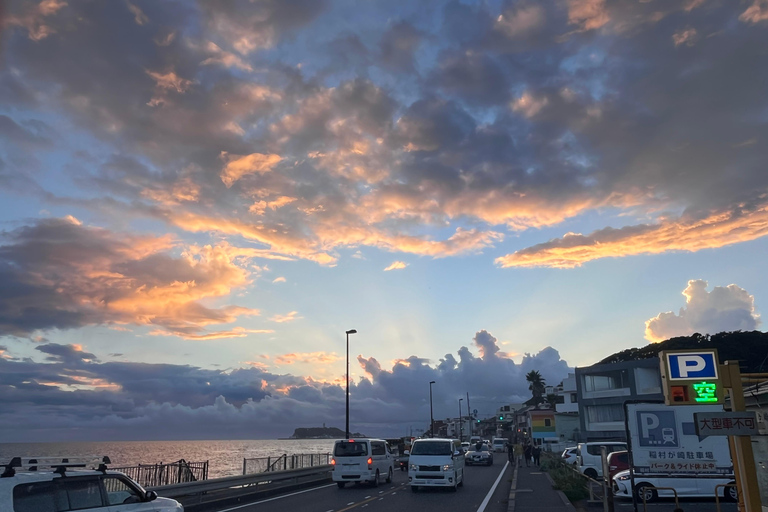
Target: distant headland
<point>322,433</point>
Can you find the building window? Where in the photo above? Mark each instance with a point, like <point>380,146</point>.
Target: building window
<point>605,413</point>
<point>606,381</point>
<point>547,422</point>
<point>574,398</point>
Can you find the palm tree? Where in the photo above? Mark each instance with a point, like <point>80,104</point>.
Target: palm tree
<point>536,385</point>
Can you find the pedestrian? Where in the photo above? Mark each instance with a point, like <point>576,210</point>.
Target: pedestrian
<point>528,452</point>
<point>536,455</point>
<point>519,452</point>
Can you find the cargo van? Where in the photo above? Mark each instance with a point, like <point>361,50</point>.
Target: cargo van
<point>436,463</point>
<point>499,444</point>
<point>361,460</point>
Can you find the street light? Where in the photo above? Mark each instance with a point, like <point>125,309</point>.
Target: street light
<point>351,331</point>
<point>431,418</point>
<point>461,427</point>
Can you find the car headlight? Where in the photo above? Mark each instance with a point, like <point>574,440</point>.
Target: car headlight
<point>448,467</point>
<point>623,478</point>
<point>413,467</point>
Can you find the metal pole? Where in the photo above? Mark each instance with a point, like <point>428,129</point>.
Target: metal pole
<point>469,415</point>
<point>351,331</point>
<point>431,417</point>
<point>461,427</point>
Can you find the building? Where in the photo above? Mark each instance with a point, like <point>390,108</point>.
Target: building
<point>602,389</point>
<point>567,389</point>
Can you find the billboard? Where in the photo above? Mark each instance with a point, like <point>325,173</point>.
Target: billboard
<point>663,440</point>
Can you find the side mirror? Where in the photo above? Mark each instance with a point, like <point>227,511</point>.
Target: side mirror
<point>150,496</point>
<point>456,453</point>
<point>406,452</point>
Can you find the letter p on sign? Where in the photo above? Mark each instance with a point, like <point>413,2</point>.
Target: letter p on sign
<point>683,366</point>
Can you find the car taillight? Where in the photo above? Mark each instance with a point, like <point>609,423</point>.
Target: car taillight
<point>370,461</point>
<point>333,462</point>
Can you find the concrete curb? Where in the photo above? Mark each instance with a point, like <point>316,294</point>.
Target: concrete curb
<point>562,495</point>
<point>512,489</point>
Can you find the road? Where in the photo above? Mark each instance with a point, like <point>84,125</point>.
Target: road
<point>475,495</point>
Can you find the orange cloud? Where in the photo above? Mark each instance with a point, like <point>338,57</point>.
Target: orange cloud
<point>756,12</point>
<point>396,265</point>
<point>716,230</point>
<point>307,357</point>
<point>289,317</point>
<point>33,19</point>
<point>238,166</point>
<point>589,14</point>
<point>237,332</point>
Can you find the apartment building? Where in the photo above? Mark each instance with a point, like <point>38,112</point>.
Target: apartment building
<point>602,390</point>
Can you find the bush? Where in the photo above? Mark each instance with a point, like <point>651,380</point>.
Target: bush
<point>566,479</point>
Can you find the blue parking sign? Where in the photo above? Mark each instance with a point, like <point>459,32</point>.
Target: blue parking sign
<point>691,365</point>
<point>657,429</point>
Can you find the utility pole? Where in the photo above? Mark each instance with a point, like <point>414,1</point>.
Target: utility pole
<point>469,415</point>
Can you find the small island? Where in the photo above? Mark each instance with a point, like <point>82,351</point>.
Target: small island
<point>322,433</point>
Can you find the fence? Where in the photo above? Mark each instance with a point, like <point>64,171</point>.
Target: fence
<point>285,462</point>
<point>153,475</point>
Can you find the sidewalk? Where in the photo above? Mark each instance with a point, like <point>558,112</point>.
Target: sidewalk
<point>532,491</point>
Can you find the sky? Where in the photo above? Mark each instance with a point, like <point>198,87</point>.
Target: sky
<point>198,199</point>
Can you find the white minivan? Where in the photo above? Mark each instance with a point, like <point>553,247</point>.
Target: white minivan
<point>361,460</point>
<point>436,462</point>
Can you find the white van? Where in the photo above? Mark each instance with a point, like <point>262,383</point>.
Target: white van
<point>499,444</point>
<point>588,457</point>
<point>361,460</point>
<point>436,463</point>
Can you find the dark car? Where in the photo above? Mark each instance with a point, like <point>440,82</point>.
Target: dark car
<point>482,455</point>
<point>617,461</point>
<point>403,460</point>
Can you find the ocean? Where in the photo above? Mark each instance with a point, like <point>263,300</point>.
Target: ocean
<point>225,458</point>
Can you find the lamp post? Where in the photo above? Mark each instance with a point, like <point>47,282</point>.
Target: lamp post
<point>351,331</point>
<point>431,418</point>
<point>461,427</point>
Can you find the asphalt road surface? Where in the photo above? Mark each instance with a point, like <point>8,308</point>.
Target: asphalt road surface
<point>475,495</point>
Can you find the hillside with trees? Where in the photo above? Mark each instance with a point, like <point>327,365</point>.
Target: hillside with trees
<point>749,348</point>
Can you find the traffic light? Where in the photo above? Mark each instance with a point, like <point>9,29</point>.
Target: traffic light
<point>501,417</point>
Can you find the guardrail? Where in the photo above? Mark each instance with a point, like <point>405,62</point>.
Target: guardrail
<point>285,462</point>
<point>230,487</point>
<point>717,496</point>
<point>645,495</point>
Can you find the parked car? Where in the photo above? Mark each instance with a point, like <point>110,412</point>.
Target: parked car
<point>617,461</point>
<point>569,454</point>
<point>48,483</point>
<point>695,486</point>
<point>361,460</point>
<point>589,459</point>
<point>436,463</point>
<point>483,456</point>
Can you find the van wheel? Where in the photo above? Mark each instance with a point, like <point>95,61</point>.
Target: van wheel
<point>591,473</point>
<point>376,479</point>
<point>341,484</point>
<point>647,490</point>
<point>389,476</point>
<point>414,488</point>
<point>731,493</point>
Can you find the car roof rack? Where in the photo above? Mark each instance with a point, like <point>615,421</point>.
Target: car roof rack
<point>56,464</point>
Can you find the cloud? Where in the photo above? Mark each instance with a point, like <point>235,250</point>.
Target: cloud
<point>396,265</point>
<point>238,166</point>
<point>725,308</point>
<point>756,12</point>
<point>34,18</point>
<point>288,317</point>
<point>280,279</point>
<point>686,36</point>
<point>61,274</point>
<point>716,229</point>
<point>95,400</point>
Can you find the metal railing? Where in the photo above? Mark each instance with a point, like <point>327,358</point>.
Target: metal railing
<point>153,475</point>
<point>656,489</point>
<point>717,496</point>
<point>285,462</point>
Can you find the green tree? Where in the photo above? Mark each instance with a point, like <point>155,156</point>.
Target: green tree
<point>552,400</point>
<point>536,385</point>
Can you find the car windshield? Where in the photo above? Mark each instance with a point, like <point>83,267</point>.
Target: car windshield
<point>432,448</point>
<point>347,449</point>
<point>483,448</point>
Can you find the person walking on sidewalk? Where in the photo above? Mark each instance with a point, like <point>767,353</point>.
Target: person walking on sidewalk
<point>527,455</point>
<point>536,456</point>
<point>519,452</point>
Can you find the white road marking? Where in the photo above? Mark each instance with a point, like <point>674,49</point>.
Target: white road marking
<point>277,498</point>
<point>490,493</point>
<point>350,503</point>
<point>366,497</point>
